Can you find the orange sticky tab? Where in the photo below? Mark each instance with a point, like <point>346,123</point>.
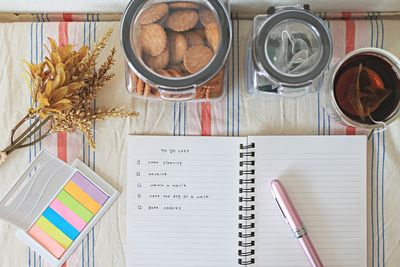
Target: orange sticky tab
<point>77,193</point>
<point>46,241</point>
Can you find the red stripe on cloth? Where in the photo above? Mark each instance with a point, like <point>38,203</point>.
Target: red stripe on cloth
<point>62,146</point>
<point>350,46</point>
<point>67,16</point>
<point>350,130</point>
<point>63,33</point>
<point>205,119</point>
<point>62,137</point>
<point>346,15</point>
<point>350,34</point>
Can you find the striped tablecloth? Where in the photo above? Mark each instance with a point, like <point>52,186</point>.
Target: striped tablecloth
<point>236,114</point>
<point>254,6</point>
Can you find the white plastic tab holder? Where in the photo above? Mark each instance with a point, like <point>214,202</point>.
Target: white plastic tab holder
<point>34,191</point>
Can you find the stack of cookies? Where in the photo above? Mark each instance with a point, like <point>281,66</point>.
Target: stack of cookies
<point>178,39</point>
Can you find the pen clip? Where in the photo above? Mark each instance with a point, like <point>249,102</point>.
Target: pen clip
<point>277,202</point>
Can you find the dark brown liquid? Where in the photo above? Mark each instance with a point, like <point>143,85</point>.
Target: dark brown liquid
<point>385,76</point>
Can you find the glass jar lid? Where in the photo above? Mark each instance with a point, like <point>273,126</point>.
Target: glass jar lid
<point>293,46</point>
<point>176,45</point>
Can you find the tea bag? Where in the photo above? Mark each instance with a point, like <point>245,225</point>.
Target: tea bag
<point>294,53</point>
<point>281,52</point>
<point>364,96</point>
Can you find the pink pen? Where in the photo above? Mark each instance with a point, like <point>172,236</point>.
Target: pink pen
<point>293,219</point>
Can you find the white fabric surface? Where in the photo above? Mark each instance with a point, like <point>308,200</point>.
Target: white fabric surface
<point>250,6</point>
<point>236,114</point>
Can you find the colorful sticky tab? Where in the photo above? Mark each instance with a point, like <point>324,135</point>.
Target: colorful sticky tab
<point>46,241</point>
<point>92,190</point>
<point>83,198</point>
<point>60,223</point>
<point>54,232</point>
<point>75,206</point>
<point>68,214</point>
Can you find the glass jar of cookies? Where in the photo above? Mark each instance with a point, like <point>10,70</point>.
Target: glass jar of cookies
<point>289,51</point>
<point>176,50</point>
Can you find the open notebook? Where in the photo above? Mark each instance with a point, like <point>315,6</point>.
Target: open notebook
<point>206,201</point>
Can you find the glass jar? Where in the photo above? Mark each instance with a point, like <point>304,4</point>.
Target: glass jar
<point>176,50</point>
<point>290,50</point>
<point>363,89</point>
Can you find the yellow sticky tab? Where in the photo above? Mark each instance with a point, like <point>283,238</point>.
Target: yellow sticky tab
<point>82,197</point>
<point>53,232</point>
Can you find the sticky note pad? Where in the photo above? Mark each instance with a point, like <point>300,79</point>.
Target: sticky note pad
<point>68,214</point>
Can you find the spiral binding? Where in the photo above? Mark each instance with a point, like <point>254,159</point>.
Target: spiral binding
<point>247,208</point>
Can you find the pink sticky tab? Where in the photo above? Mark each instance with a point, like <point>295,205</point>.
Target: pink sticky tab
<point>46,241</point>
<point>68,215</point>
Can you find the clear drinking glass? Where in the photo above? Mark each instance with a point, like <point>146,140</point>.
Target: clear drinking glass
<point>363,90</point>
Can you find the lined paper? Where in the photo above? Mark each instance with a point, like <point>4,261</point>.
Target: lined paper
<point>183,201</point>
<point>326,179</point>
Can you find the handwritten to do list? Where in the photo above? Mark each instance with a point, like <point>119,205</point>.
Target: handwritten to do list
<point>179,192</point>
<point>174,195</point>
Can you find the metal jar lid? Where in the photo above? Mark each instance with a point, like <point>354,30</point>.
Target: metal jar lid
<point>297,27</point>
<point>171,83</point>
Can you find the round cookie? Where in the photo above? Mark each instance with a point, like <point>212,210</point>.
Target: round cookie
<point>153,39</point>
<point>206,16</point>
<point>163,72</point>
<point>179,68</point>
<point>217,79</point>
<point>201,33</point>
<point>213,36</point>
<point>197,57</point>
<point>193,38</point>
<point>183,5</point>
<point>182,20</point>
<point>215,86</point>
<point>157,62</point>
<point>174,73</point>
<point>153,14</point>
<point>140,87</point>
<point>154,92</point>
<point>147,89</point>
<point>177,47</point>
<point>134,81</point>
<point>201,92</point>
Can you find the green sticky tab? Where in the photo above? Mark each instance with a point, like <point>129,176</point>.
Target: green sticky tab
<point>54,232</point>
<point>75,206</point>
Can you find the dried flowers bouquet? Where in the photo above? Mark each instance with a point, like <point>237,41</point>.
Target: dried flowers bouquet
<point>63,88</point>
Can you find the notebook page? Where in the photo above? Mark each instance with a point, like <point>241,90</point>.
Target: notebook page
<point>183,198</point>
<point>326,180</point>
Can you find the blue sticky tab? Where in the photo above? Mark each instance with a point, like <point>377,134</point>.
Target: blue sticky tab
<point>61,223</point>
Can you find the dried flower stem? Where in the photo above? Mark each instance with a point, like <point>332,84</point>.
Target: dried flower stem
<point>17,126</point>
<point>24,134</point>
<point>41,138</point>
<point>19,142</point>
